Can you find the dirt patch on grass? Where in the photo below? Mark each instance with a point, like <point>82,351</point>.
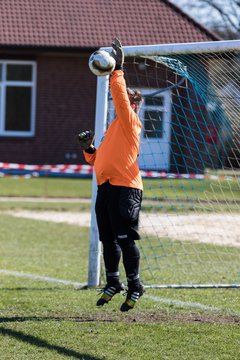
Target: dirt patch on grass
<point>212,228</point>
<point>158,317</point>
<point>205,228</point>
<point>134,317</point>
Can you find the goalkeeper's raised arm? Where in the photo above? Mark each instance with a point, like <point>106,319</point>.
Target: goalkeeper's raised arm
<point>124,98</point>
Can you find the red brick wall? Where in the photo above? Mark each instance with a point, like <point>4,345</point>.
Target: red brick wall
<point>65,104</point>
<point>66,96</point>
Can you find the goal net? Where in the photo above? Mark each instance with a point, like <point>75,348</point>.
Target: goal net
<point>189,160</point>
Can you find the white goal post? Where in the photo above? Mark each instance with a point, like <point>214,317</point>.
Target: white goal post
<point>194,94</point>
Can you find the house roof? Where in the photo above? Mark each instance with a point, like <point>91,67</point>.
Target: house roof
<point>94,23</point>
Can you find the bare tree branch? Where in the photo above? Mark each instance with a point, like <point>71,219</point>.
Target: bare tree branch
<point>222,12</point>
<point>225,15</point>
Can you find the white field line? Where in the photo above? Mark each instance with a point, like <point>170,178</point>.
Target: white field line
<point>192,305</point>
<point>42,278</point>
<point>150,297</point>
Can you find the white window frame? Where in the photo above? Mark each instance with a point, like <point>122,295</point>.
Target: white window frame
<point>165,108</point>
<point>4,83</point>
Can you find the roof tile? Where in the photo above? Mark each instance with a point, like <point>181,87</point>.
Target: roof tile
<point>93,23</point>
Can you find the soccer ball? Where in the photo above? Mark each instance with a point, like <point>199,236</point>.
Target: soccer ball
<point>101,63</point>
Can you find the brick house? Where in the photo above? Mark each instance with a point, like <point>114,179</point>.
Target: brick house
<point>44,51</point>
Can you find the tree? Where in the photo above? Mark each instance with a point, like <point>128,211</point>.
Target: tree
<point>221,16</point>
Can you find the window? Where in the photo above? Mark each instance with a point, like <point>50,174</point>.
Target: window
<point>153,116</point>
<point>17,98</point>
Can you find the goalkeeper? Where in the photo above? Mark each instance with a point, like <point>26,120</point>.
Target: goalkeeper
<point>120,187</point>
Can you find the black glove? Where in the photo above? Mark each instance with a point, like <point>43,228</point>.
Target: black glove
<point>118,54</point>
<point>85,139</point>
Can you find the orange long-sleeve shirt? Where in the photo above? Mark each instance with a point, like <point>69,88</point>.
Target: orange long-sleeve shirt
<point>116,158</point>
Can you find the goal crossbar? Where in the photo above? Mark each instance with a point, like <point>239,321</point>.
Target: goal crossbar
<point>180,48</point>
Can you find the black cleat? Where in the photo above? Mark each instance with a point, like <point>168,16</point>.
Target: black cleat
<point>108,292</point>
<point>132,297</point>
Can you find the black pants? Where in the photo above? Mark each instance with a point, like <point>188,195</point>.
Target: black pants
<point>117,211</point>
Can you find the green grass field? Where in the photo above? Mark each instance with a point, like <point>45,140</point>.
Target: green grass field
<point>44,319</point>
<point>159,195</point>
<point>171,190</point>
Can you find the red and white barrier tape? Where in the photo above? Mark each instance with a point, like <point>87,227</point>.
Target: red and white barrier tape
<point>88,169</point>
<point>60,168</point>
